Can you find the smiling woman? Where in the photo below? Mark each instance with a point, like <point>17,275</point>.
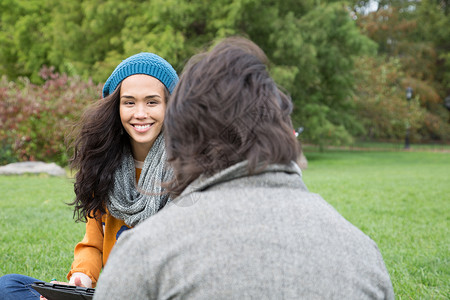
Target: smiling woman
<point>142,108</point>
<point>119,152</point>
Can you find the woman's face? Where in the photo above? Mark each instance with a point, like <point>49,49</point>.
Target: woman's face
<point>142,109</point>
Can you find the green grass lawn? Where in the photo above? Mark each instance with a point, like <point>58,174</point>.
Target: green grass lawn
<point>37,231</point>
<point>400,199</point>
<point>386,146</point>
<point>401,146</point>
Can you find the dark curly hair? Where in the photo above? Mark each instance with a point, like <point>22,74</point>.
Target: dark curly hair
<point>226,109</point>
<point>98,143</point>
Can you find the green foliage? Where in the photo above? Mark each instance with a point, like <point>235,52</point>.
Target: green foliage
<point>312,46</point>
<point>416,35</point>
<point>434,20</point>
<point>24,31</point>
<point>381,104</point>
<point>7,152</point>
<point>319,50</point>
<point>35,118</point>
<point>322,131</point>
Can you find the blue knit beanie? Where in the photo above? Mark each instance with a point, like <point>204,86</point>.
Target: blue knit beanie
<point>142,63</point>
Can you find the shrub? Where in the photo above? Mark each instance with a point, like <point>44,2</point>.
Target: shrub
<point>382,107</point>
<point>34,119</point>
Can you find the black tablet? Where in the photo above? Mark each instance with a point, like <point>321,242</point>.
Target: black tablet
<point>54,291</point>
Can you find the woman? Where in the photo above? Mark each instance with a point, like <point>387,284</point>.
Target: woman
<point>119,152</point>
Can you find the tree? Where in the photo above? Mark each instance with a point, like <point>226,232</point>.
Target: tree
<point>312,45</point>
<point>24,38</point>
<point>317,53</point>
<point>422,52</point>
<point>380,100</point>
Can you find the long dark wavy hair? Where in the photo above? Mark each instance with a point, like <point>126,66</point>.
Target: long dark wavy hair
<point>226,109</point>
<point>99,142</point>
<point>98,145</point>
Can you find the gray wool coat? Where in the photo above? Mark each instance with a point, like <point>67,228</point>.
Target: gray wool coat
<point>235,236</point>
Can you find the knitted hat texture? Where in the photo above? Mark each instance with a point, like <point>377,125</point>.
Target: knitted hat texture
<point>142,63</point>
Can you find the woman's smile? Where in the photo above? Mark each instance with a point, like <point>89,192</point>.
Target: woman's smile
<point>142,127</point>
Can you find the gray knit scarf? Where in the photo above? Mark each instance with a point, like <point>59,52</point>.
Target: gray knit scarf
<point>135,204</point>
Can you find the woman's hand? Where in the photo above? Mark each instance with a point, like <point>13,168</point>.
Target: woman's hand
<point>80,279</point>
<point>76,281</point>
<point>56,282</point>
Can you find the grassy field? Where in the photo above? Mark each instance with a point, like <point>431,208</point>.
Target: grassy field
<point>37,232</point>
<point>386,147</point>
<point>400,199</point>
